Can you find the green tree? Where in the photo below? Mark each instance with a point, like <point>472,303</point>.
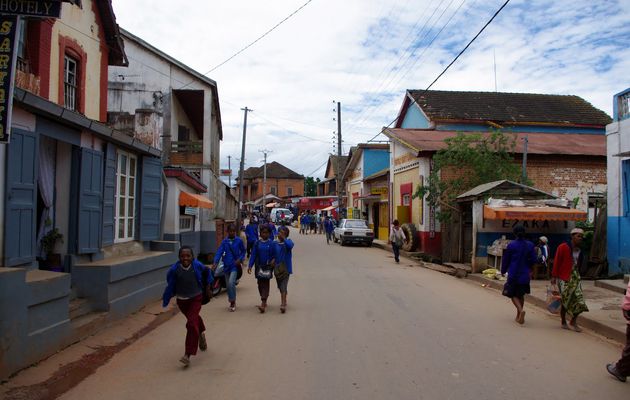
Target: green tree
<point>470,160</point>
<point>310,186</point>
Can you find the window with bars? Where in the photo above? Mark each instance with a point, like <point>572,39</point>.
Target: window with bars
<point>125,196</point>
<point>71,73</point>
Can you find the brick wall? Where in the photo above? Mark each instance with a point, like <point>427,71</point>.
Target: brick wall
<point>282,186</point>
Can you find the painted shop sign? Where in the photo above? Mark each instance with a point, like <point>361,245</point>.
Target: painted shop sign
<point>31,8</point>
<point>379,190</point>
<point>8,47</point>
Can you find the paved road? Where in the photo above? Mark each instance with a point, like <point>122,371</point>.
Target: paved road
<point>360,327</point>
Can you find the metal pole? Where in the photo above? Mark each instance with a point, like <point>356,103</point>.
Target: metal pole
<point>339,159</point>
<point>230,169</point>
<point>240,172</point>
<point>524,172</point>
<point>265,178</point>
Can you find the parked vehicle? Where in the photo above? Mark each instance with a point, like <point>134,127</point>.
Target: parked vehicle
<point>281,215</point>
<point>353,231</point>
<point>219,278</point>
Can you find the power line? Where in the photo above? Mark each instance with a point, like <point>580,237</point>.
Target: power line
<point>414,101</point>
<point>255,41</point>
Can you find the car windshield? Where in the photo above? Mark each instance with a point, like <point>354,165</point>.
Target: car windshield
<point>355,224</point>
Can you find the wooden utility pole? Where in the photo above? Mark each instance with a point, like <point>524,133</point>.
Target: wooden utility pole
<point>230,169</point>
<point>524,171</point>
<point>240,172</point>
<point>265,179</point>
<point>339,160</point>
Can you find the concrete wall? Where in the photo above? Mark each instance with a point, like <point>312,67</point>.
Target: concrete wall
<point>618,234</point>
<point>374,160</point>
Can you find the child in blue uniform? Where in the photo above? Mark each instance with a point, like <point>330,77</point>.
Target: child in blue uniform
<point>232,250</point>
<point>262,260</point>
<point>283,254</point>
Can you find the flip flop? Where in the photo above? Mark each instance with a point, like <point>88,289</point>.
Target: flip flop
<point>185,360</point>
<point>576,328</point>
<point>261,309</point>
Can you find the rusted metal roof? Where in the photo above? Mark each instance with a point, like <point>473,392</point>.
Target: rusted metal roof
<point>428,140</point>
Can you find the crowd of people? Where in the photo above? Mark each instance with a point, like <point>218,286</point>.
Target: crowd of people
<point>569,263</point>
<point>269,253</point>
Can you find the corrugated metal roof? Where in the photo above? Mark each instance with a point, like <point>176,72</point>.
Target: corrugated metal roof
<point>503,185</point>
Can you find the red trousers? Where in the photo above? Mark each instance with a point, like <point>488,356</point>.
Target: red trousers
<point>194,324</point>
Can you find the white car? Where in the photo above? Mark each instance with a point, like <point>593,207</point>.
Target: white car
<point>277,214</point>
<point>353,231</point>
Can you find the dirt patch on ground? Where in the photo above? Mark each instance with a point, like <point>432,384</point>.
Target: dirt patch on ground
<point>70,375</point>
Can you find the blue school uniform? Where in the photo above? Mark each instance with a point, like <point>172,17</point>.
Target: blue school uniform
<point>284,252</point>
<point>232,250</point>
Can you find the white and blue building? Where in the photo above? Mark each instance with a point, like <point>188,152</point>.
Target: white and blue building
<point>618,153</point>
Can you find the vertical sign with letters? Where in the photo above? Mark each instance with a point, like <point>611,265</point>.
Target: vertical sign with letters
<point>8,47</point>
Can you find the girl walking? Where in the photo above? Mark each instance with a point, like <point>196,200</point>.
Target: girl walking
<point>518,259</point>
<point>262,259</point>
<point>232,250</point>
<point>283,264</point>
<point>185,281</point>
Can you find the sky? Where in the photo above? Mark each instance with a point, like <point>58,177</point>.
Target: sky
<point>366,53</point>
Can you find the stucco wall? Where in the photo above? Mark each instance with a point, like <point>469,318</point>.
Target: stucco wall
<point>83,20</point>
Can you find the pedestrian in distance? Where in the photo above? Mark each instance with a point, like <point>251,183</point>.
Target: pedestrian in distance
<point>396,239</point>
<point>567,264</point>
<point>283,257</point>
<point>518,259</point>
<point>313,222</point>
<point>232,250</point>
<point>262,261</point>
<point>184,280</point>
<point>621,369</point>
<point>542,255</point>
<point>329,227</point>
<point>251,231</point>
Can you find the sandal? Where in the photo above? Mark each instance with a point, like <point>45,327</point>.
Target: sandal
<point>576,328</point>
<point>261,309</point>
<point>203,345</point>
<point>185,360</point>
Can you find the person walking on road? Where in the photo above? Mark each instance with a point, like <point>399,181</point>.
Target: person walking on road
<point>262,260</point>
<point>568,262</point>
<point>621,369</point>
<point>232,250</point>
<point>283,257</point>
<point>397,239</point>
<point>184,280</point>
<point>252,235</point>
<point>329,227</point>
<point>518,259</point>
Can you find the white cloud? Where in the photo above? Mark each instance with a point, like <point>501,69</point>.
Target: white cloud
<point>366,53</point>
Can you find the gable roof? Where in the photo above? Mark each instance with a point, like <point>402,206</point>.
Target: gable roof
<point>332,164</point>
<point>509,108</point>
<point>355,154</point>
<point>505,188</point>
<point>114,41</point>
<point>274,170</point>
<point>429,140</point>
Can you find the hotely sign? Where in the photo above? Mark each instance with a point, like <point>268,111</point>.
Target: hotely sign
<point>31,8</point>
<point>8,29</point>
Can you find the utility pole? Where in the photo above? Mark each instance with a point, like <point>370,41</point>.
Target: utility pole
<point>230,169</point>
<point>264,204</point>
<point>239,219</point>
<point>524,172</point>
<point>339,160</point>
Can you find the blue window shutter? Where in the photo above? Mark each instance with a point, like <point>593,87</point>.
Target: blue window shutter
<point>151,198</point>
<point>109,195</point>
<point>90,202</point>
<point>21,199</point>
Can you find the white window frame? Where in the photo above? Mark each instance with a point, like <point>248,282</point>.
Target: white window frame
<point>131,179</point>
<point>406,199</point>
<point>190,219</point>
<point>70,82</point>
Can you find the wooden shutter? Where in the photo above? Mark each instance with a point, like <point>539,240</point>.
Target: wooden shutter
<point>150,198</point>
<point>109,195</point>
<point>90,228</point>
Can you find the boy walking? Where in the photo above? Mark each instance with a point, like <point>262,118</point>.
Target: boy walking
<point>283,256</point>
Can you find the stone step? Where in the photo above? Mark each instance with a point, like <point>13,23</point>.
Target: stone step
<point>615,285</point>
<point>79,307</point>
<point>87,325</point>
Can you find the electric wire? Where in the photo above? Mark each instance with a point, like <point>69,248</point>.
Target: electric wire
<point>255,41</point>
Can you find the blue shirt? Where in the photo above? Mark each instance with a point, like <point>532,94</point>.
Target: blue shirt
<point>251,231</point>
<point>329,226</point>
<point>518,259</point>
<point>232,250</point>
<point>262,253</point>
<point>171,280</point>
<point>284,252</point>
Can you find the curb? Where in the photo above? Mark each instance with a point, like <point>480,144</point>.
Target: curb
<point>595,326</point>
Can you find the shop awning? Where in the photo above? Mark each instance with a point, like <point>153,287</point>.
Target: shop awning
<point>194,200</point>
<point>271,205</point>
<point>329,208</point>
<point>534,213</point>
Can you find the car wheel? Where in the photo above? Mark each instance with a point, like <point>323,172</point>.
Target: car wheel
<point>335,239</point>
<point>342,242</point>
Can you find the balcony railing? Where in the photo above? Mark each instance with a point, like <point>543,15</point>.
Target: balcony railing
<point>187,153</point>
